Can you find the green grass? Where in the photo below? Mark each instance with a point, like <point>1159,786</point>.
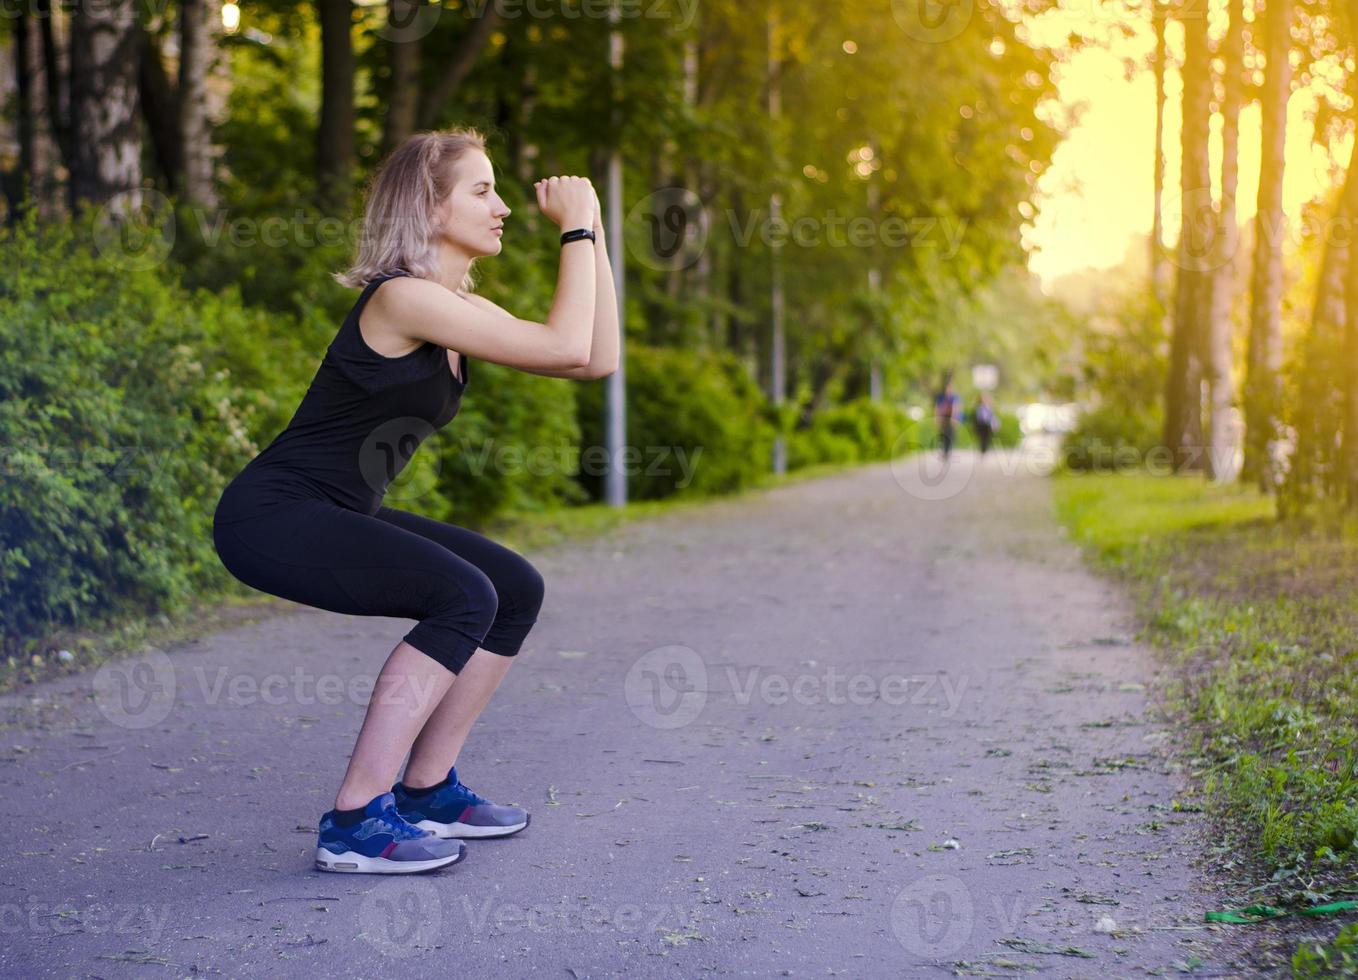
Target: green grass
<point>1260,620</point>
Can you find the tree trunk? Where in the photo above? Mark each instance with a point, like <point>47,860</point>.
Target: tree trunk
<point>1161,266</point>
<point>197,52</point>
<point>106,145</point>
<point>335,137</point>
<point>403,98</point>
<point>1183,394</point>
<point>159,110</point>
<point>1222,449</point>
<point>55,71</point>
<point>1312,472</point>
<point>20,183</point>
<point>1264,363</point>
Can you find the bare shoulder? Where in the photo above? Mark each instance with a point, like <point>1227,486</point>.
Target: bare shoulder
<point>396,302</point>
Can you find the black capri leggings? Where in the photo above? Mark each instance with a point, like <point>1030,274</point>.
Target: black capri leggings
<point>466,590</point>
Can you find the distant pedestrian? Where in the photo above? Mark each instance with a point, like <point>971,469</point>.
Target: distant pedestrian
<point>947,412</point>
<point>985,421</point>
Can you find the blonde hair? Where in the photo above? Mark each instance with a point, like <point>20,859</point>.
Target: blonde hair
<point>402,196</point>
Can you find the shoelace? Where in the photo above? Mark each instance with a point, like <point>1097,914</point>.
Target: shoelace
<point>476,800</point>
<point>403,828</point>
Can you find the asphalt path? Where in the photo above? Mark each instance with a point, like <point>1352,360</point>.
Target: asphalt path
<point>880,723</point>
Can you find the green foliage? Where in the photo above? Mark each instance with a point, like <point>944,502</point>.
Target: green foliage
<point>855,431</point>
<point>121,423</point>
<point>1337,958</point>
<point>513,447</point>
<point>874,428</point>
<point>1112,437</point>
<point>696,424</point>
<point>815,445</point>
<point>1261,618</point>
<point>1123,380</point>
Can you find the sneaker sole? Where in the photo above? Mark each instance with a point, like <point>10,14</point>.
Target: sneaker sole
<point>463,830</point>
<point>351,863</point>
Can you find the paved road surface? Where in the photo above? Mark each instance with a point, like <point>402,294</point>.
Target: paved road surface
<point>833,729</point>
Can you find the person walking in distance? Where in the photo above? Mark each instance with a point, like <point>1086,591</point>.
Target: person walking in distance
<point>985,421</point>
<point>947,411</point>
<point>305,519</point>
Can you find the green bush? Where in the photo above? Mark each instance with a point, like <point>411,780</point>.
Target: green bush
<point>696,424</point>
<point>816,445</point>
<point>1111,437</point>
<point>120,422</point>
<point>127,402</point>
<point>864,430</point>
<point>1338,958</point>
<point>513,447</point>
<point>875,428</point>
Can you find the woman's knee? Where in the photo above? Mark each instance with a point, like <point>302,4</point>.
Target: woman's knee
<point>532,588</point>
<point>473,601</point>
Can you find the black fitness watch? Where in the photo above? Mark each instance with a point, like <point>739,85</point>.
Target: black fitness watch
<point>575,234</point>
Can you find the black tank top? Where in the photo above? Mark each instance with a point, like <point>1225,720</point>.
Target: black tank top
<point>358,425</point>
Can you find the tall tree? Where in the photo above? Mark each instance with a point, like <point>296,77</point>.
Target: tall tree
<point>1183,398</point>
<point>1217,349</point>
<point>404,30</point>
<point>1160,265</point>
<point>1263,381</point>
<point>335,137</point>
<point>55,72</point>
<point>106,144</point>
<point>15,180</point>
<point>197,52</point>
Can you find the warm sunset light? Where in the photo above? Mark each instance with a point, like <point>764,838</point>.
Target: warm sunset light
<point>695,488</point>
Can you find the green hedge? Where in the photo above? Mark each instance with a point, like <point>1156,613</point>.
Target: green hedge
<point>127,402</point>
<point>696,424</point>
<point>119,423</point>
<point>863,430</point>
<point>1111,437</point>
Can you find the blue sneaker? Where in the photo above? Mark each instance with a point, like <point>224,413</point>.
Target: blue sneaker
<point>382,843</point>
<point>452,810</point>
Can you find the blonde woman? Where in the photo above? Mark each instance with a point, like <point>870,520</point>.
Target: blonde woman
<point>305,520</point>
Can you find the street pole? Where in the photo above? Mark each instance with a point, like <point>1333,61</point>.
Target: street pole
<point>615,398</point>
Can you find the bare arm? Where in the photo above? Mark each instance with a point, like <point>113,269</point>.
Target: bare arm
<point>604,350</point>
<point>603,354</point>
<point>584,373</point>
<point>425,310</point>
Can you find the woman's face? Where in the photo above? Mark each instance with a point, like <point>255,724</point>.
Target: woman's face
<point>474,211</point>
